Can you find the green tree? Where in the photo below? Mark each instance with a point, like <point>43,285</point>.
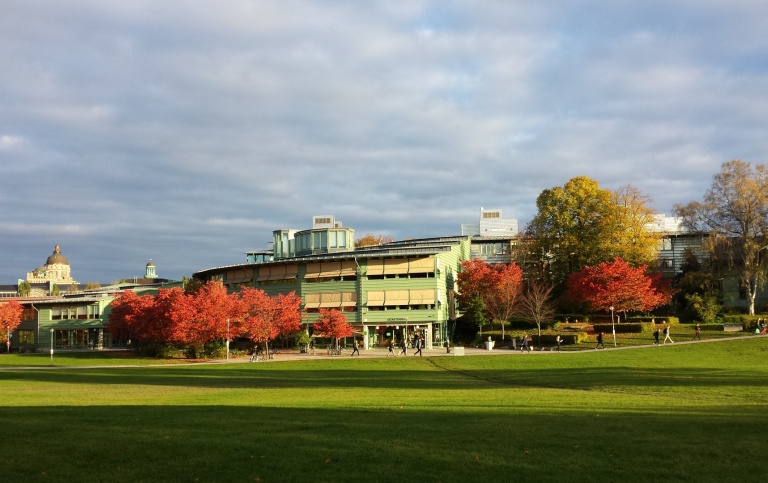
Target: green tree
<point>734,211</point>
<point>24,289</point>
<point>581,224</point>
<point>55,291</point>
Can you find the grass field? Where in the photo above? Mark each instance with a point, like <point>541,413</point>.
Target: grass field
<point>694,412</point>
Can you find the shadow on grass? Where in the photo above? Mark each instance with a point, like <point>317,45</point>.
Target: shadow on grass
<point>215,443</point>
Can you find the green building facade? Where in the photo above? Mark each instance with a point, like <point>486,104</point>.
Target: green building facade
<point>389,292</point>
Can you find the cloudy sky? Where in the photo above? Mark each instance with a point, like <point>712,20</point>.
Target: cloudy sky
<point>186,131</point>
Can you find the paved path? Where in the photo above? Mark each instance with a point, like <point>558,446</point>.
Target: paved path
<point>284,356</point>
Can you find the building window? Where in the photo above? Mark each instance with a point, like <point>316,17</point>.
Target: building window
<point>26,337</point>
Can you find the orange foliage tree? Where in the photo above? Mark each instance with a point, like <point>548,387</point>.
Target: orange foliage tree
<point>194,319</point>
<point>10,318</point>
<point>370,240</point>
<point>262,318</point>
<point>616,284</point>
<point>332,323</point>
<point>498,287</point>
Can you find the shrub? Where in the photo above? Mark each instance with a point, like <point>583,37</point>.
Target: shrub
<point>567,339</point>
<point>626,328</point>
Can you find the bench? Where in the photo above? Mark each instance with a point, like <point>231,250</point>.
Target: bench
<point>732,327</point>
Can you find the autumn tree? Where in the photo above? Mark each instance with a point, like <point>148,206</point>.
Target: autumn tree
<point>537,303</point>
<point>332,323</point>
<point>616,284</point>
<point>369,239</point>
<point>203,316</point>
<point>734,211</point>
<point>496,287</point>
<point>582,224</point>
<point>10,318</point>
<point>263,318</point>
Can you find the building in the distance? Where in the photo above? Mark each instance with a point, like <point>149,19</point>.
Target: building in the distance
<point>492,223</point>
<point>56,270</point>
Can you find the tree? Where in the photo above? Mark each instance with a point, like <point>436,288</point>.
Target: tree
<point>332,323</point>
<point>493,289</point>
<point>734,211</point>
<point>24,289</point>
<point>581,224</point>
<point>264,318</point>
<point>10,318</point>
<point>370,240</point>
<point>202,317</point>
<point>55,291</point>
<point>537,303</point>
<point>618,285</point>
<point>92,285</point>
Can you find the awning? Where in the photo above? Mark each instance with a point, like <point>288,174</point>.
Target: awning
<point>395,266</point>
<point>421,265</point>
<point>375,267</point>
<point>396,297</point>
<point>375,299</point>
<point>312,301</point>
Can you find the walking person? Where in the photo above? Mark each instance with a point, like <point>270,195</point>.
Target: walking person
<point>354,348</point>
<point>418,346</point>
<point>558,341</point>
<point>391,351</point>
<point>697,334</point>
<point>312,347</point>
<point>403,348</point>
<point>666,335</point>
<point>656,337</point>
<point>600,341</point>
<point>525,343</point>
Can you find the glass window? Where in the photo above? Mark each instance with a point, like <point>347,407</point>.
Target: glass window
<point>332,237</point>
<point>342,239</point>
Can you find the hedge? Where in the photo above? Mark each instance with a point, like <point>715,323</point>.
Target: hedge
<point>626,328</point>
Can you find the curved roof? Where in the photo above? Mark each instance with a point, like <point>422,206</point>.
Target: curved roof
<point>57,258</point>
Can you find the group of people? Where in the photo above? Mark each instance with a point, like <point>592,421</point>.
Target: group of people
<point>665,331</point>
<point>418,344</point>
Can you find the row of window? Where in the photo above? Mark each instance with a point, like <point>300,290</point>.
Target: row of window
<point>67,312</point>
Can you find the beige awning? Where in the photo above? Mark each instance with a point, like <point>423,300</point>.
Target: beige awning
<point>277,273</point>
<point>375,267</point>
<point>312,301</point>
<point>421,265</point>
<point>396,297</point>
<point>348,298</point>
<point>330,269</point>
<point>395,266</point>
<point>375,299</point>
<point>348,268</point>
<point>264,273</point>
<point>313,270</point>
<point>330,300</point>
<point>423,297</point>
<point>291,271</point>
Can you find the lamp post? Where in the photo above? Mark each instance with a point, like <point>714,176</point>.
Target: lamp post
<point>613,327</point>
<point>227,340</point>
<point>8,342</point>
<point>51,346</point>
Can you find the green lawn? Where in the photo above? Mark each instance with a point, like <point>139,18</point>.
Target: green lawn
<point>693,412</point>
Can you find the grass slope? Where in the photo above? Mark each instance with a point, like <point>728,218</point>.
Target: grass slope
<point>687,413</point>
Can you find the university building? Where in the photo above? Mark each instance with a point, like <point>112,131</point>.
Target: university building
<point>388,292</point>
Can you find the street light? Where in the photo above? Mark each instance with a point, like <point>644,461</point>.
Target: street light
<point>613,326</point>
<point>51,346</point>
<point>8,342</point>
<point>227,340</point>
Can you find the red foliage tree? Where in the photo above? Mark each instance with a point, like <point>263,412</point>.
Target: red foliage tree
<point>10,318</point>
<point>332,323</point>
<point>127,320</point>
<point>263,317</point>
<point>203,316</point>
<point>498,286</point>
<point>618,285</point>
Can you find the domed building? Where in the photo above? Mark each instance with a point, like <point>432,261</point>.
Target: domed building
<point>56,269</point>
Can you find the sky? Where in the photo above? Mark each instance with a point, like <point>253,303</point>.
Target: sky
<point>185,132</point>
